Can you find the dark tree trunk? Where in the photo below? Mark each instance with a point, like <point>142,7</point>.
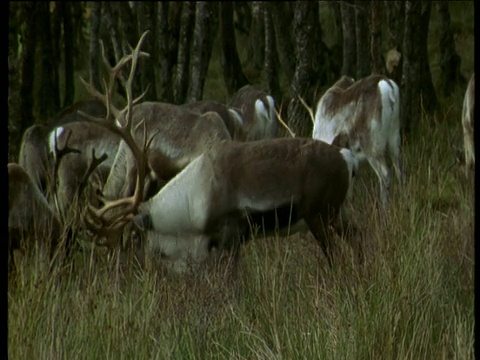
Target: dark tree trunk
<point>256,44</point>
<point>57,25</point>
<point>113,36</point>
<point>244,16</point>
<point>129,35</point>
<point>14,134</point>
<point>147,21</point>
<point>230,61</point>
<point>27,64</point>
<point>113,41</point>
<point>322,62</point>
<point>183,58</point>
<point>68,40</point>
<point>450,62</point>
<point>410,86</point>
<point>45,90</point>
<point>376,37</point>
<point>395,17</point>
<point>305,16</point>
<point>270,69</point>
<point>205,28</point>
<point>282,19</point>
<point>362,37</point>
<point>336,50</point>
<point>165,59</point>
<point>429,96</point>
<point>94,55</point>
<point>349,65</point>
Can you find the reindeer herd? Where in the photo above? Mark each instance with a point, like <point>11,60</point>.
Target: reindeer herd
<point>194,179</point>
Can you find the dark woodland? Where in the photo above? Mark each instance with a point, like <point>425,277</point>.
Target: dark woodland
<point>281,46</point>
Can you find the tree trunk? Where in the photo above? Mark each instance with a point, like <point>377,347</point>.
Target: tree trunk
<point>376,37</point>
<point>146,21</point>
<point>183,58</point>
<point>45,89</point>
<point>429,96</point>
<point>203,35</point>
<point>114,45</point>
<point>27,64</point>
<point>230,61</point>
<point>270,69</point>
<point>94,55</point>
<point>305,17</point>
<point>57,48</point>
<point>450,62</point>
<point>165,59</point>
<point>13,102</point>
<point>128,35</point>
<point>362,36</point>
<point>256,44</point>
<point>395,15</point>
<point>283,40</point>
<point>410,86</point>
<point>349,65</point>
<point>243,16</point>
<point>68,41</point>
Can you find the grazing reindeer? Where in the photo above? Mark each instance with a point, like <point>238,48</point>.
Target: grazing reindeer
<point>87,139</point>
<point>211,203</point>
<point>257,109</point>
<point>37,154</point>
<point>468,124</point>
<point>177,136</point>
<point>30,216</point>
<point>207,205</point>
<point>231,117</point>
<point>364,114</point>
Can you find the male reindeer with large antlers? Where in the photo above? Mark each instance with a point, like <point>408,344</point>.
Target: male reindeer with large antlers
<point>178,135</point>
<point>207,204</point>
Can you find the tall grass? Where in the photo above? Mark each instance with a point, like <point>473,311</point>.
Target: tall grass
<point>410,295</point>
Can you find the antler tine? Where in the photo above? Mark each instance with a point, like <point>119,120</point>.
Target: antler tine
<point>94,163</point>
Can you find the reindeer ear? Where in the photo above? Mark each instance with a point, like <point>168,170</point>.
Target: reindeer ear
<point>143,221</point>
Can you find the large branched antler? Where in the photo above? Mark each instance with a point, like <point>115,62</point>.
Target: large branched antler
<point>103,221</point>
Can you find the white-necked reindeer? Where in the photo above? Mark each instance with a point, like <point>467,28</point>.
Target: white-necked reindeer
<point>257,109</point>
<point>468,124</point>
<point>364,115</point>
<point>209,203</point>
<point>212,203</point>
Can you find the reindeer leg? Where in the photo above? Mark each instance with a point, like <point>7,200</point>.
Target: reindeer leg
<point>379,165</point>
<point>396,156</point>
<point>318,225</point>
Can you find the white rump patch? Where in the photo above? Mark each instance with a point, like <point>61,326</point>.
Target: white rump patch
<point>260,110</point>
<point>57,132</point>
<point>271,107</point>
<point>236,116</point>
